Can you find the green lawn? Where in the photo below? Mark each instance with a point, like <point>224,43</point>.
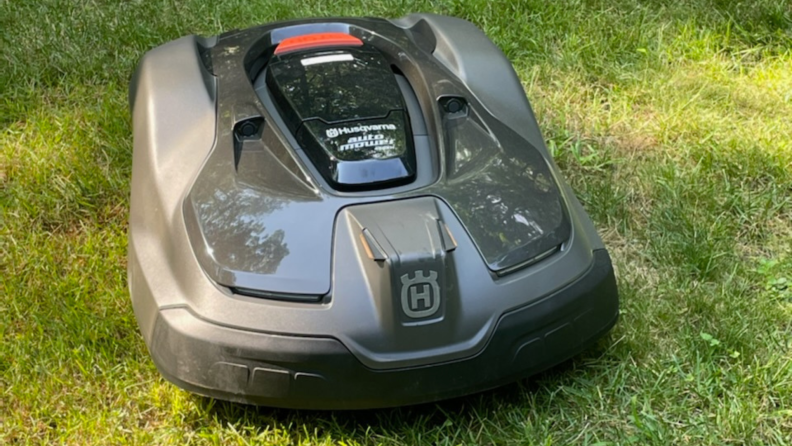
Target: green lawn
<point>671,119</point>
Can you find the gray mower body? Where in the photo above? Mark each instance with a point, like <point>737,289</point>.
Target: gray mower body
<point>352,213</point>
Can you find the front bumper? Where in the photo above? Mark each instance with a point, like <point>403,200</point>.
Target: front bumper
<point>321,373</point>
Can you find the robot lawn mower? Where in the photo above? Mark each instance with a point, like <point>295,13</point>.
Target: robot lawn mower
<point>352,213</point>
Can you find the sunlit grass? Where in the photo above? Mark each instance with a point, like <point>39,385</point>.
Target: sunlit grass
<point>671,120</point>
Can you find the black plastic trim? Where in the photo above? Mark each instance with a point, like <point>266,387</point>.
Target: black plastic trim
<point>321,373</point>
<point>288,297</point>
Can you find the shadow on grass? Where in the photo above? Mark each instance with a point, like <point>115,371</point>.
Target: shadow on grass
<point>363,426</point>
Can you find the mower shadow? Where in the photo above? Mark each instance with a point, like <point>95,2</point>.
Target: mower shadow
<point>362,425</point>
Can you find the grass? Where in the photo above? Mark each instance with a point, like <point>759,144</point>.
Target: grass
<point>670,119</point>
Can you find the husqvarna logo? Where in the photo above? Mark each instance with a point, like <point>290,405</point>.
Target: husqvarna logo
<point>420,296</point>
<point>337,131</point>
